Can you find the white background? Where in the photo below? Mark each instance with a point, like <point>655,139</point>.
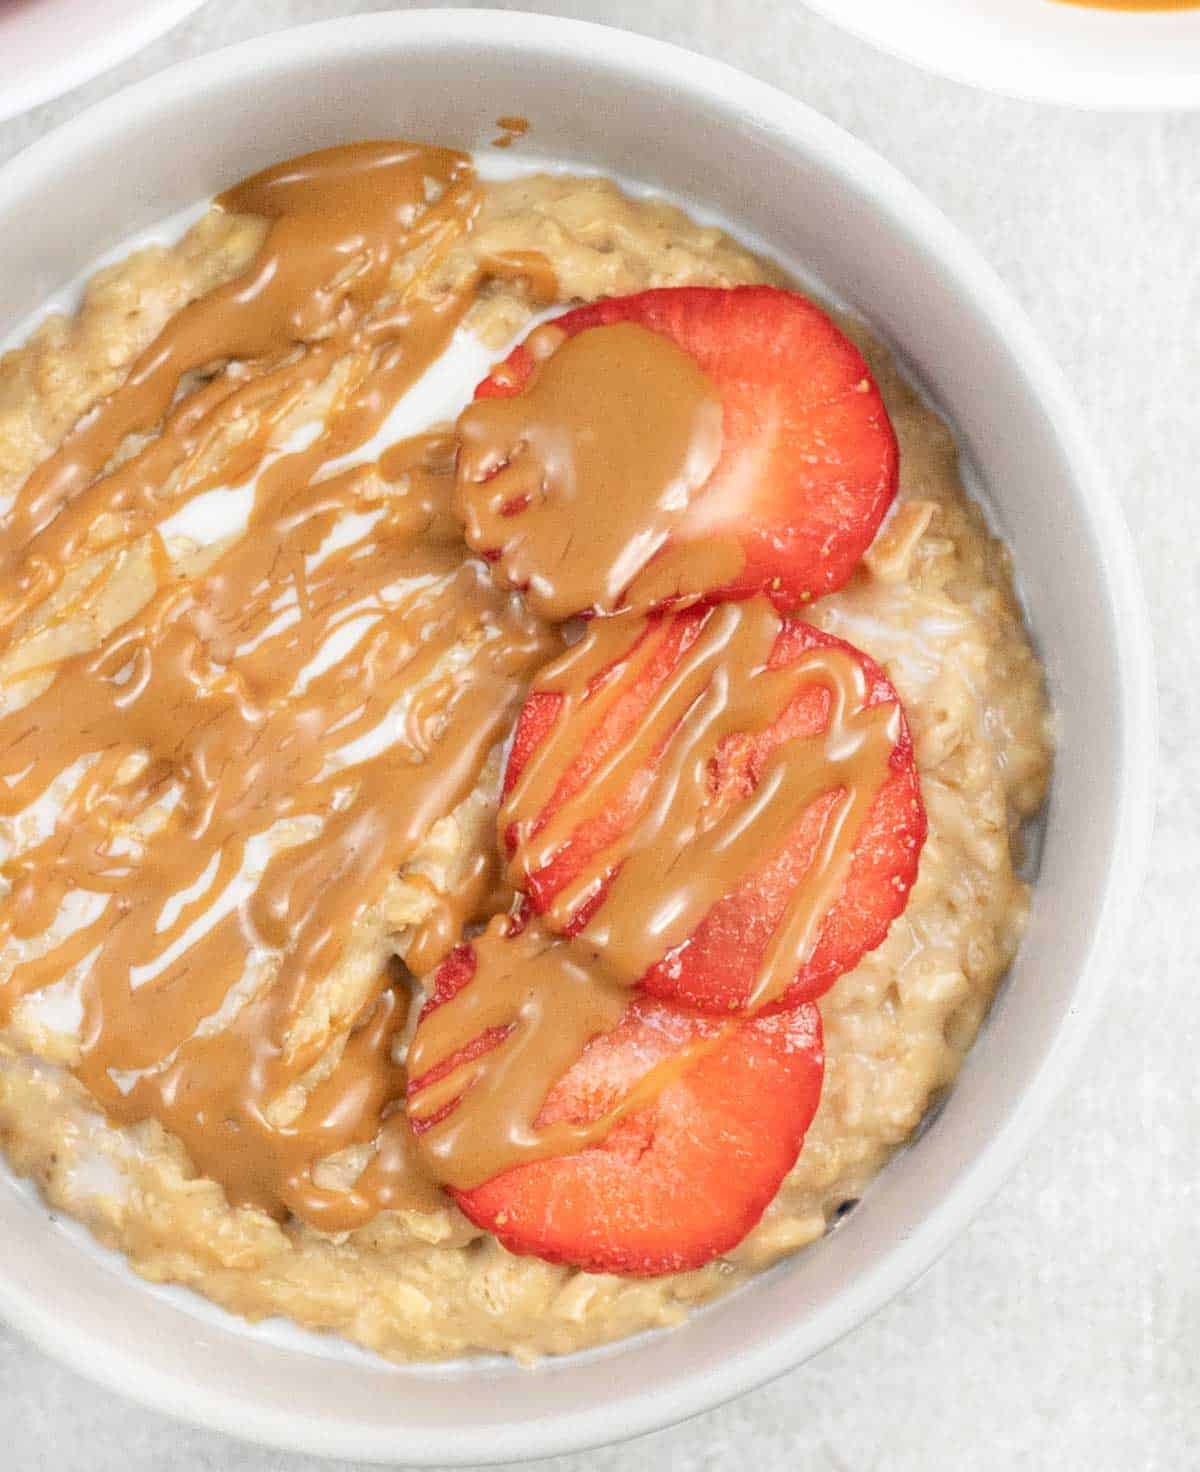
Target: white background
<point>1063,1330</point>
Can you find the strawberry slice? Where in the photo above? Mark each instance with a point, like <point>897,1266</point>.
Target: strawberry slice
<point>809,461</point>
<point>676,1182</point>
<point>716,968</point>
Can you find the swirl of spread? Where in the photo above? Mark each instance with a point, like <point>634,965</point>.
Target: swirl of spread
<point>248,742</point>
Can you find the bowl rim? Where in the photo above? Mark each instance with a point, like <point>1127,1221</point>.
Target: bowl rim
<point>73,66</point>
<point>1016,72</point>
<point>899,206</point>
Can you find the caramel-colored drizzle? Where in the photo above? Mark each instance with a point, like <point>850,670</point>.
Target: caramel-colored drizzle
<point>544,998</point>
<point>549,1003</point>
<point>207,718</point>
<point>513,127</point>
<point>538,1002</point>
<point>685,851</point>
<point>582,476</point>
<point>210,718</point>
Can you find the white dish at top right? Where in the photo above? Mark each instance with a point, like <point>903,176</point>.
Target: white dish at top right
<point>1102,54</point>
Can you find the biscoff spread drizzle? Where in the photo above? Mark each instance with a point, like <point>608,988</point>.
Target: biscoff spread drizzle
<point>512,127</point>
<point>537,1000</point>
<point>213,717</point>
<point>539,1003</point>
<point>211,733</point>
<point>685,851</point>
<point>339,221</point>
<point>582,477</point>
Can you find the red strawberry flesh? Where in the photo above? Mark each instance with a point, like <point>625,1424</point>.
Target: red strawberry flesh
<point>808,465</point>
<point>674,1183</point>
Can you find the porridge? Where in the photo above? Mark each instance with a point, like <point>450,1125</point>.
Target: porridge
<point>257,704</point>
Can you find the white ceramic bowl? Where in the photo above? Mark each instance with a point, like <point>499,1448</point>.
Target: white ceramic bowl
<point>49,46</point>
<point>625,104</point>
<point>1078,54</point>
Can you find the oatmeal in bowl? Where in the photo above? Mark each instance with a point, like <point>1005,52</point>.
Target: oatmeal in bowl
<point>496,886</point>
<point>352,515</point>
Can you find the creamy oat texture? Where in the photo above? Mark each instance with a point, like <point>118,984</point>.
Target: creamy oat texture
<point>933,604</point>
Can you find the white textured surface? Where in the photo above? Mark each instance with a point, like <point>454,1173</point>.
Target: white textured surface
<point>1063,1330</point>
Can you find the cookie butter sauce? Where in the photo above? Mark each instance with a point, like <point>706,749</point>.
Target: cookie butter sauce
<point>661,877</point>
<point>241,706</point>
<point>582,477</point>
<point>542,998</point>
<point>301,704</point>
